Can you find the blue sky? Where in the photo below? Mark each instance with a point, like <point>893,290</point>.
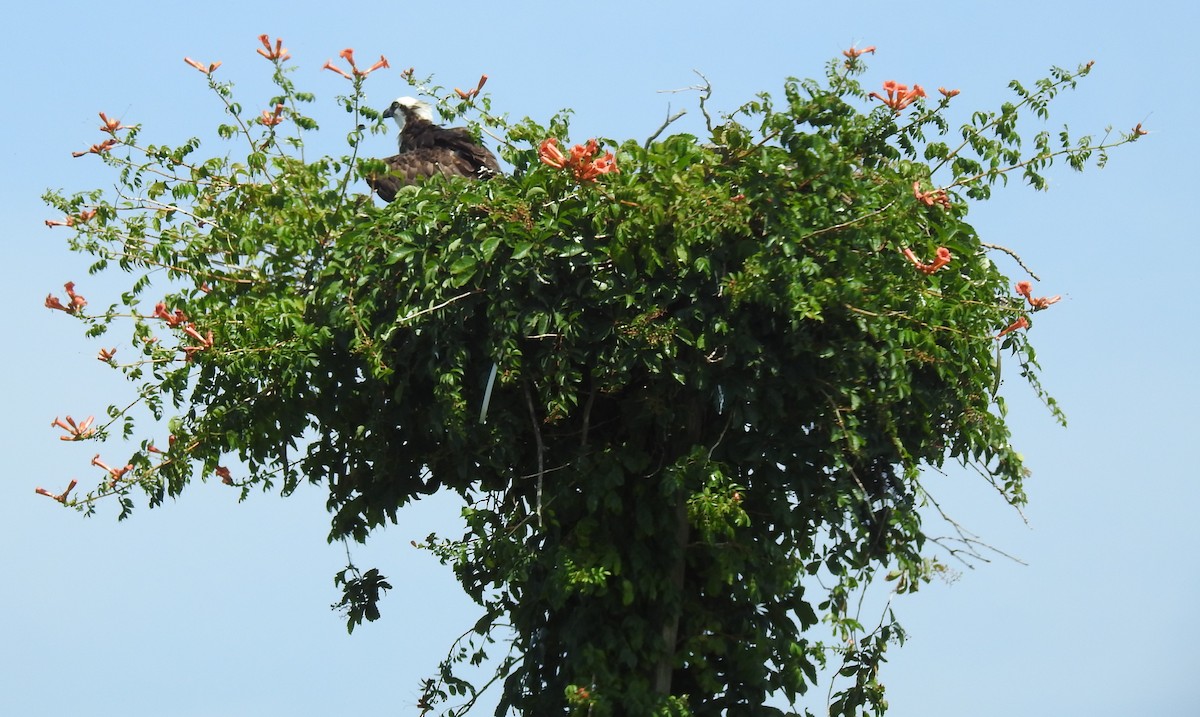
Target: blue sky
<point>210,607</point>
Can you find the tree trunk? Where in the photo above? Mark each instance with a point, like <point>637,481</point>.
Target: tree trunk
<point>670,632</point>
<point>687,438</point>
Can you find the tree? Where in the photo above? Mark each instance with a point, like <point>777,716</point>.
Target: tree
<point>685,390</point>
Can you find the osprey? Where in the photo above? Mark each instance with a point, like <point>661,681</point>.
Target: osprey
<point>427,149</point>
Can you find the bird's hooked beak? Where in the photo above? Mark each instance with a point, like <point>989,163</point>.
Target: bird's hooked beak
<point>390,112</point>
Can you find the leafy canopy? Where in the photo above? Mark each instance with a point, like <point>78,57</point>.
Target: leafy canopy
<point>685,393</point>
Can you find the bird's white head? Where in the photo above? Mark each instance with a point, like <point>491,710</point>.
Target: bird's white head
<point>405,109</point>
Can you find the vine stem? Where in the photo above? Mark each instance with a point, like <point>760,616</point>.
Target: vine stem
<point>1040,157</point>
<point>1052,89</point>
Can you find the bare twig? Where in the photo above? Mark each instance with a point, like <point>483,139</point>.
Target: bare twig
<point>991,480</point>
<point>498,138</point>
<point>689,88</point>
<point>705,91</point>
<point>1013,254</point>
<point>847,223</point>
<point>970,541</point>
<point>906,317</point>
<point>431,309</point>
<point>670,118</point>
<point>705,94</point>
<point>720,437</point>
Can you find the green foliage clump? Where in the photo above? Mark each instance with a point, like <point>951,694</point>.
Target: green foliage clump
<point>686,403</point>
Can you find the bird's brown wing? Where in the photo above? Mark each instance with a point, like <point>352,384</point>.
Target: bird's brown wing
<point>483,162</point>
<point>423,135</point>
<point>408,167</point>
